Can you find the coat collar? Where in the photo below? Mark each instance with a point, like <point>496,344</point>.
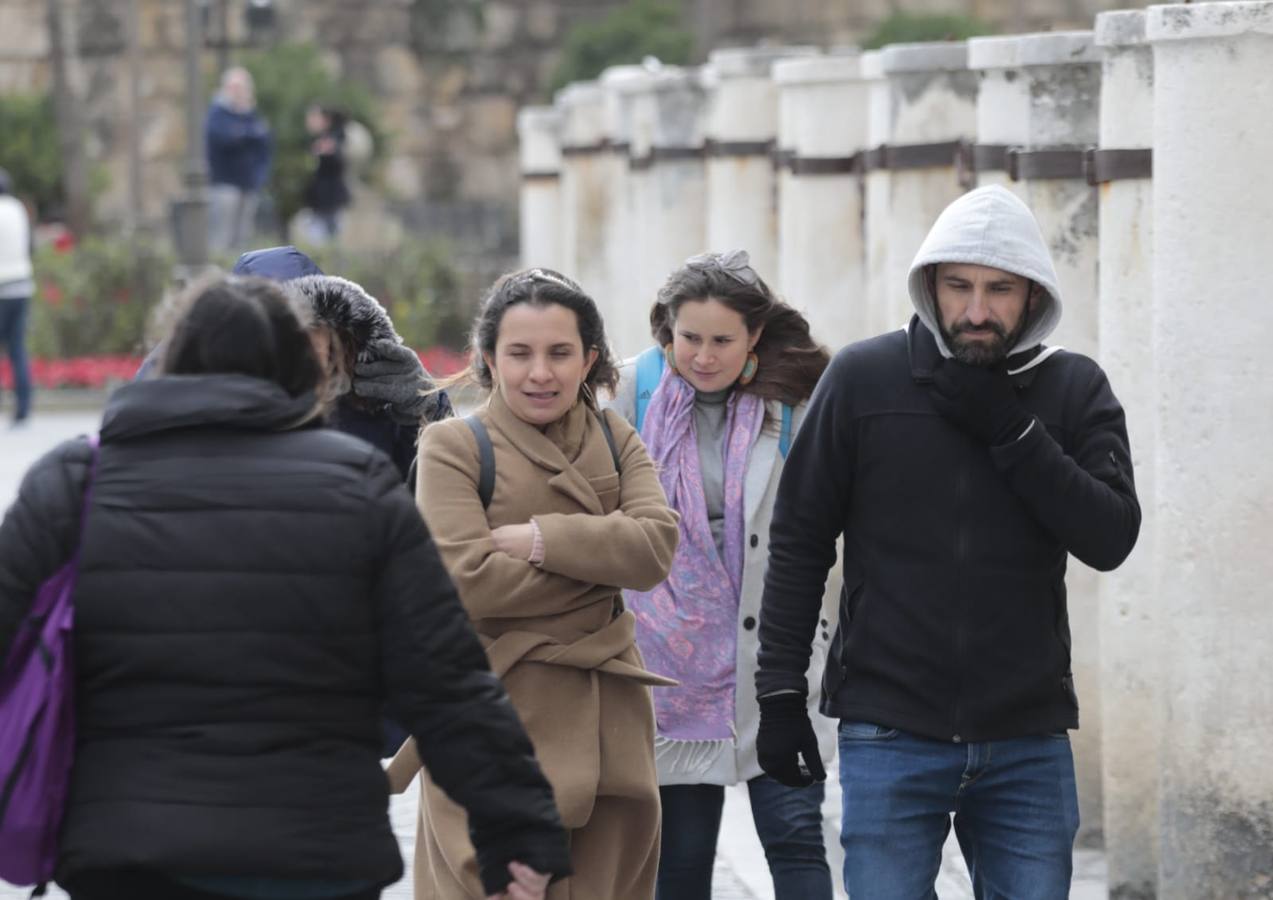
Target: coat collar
<point>925,356</point>
<point>577,434</point>
<point>760,467</point>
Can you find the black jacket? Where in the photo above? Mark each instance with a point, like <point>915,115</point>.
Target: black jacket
<point>953,621</point>
<point>249,594</point>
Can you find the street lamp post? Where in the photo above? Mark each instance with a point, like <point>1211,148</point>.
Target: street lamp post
<point>191,211</point>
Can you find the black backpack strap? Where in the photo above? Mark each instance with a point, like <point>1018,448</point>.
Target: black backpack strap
<point>614,448</point>
<point>485,459</point>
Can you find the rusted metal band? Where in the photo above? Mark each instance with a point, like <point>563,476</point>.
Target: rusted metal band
<point>826,165</point>
<point>620,148</point>
<point>665,154</point>
<point>989,157</point>
<point>901,157</point>
<point>585,149</point>
<point>540,176</point>
<point>1046,165</point>
<point>1118,165</point>
<point>738,148</point>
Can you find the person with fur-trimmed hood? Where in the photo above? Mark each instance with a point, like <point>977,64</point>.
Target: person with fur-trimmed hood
<point>962,461</point>
<point>379,390</point>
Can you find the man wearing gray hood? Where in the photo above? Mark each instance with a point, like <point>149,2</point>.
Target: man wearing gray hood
<point>962,461</point>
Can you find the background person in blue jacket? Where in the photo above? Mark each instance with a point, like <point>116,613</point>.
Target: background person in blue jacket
<point>239,149</point>
<point>962,461</point>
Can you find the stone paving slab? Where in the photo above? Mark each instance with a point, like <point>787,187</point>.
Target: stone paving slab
<point>741,872</point>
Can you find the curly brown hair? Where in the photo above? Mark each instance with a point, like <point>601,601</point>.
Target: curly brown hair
<point>791,362</point>
<point>540,287</point>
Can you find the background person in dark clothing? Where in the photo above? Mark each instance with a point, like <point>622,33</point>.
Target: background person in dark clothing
<point>326,194</point>
<point>251,589</point>
<point>239,150</point>
<point>961,461</point>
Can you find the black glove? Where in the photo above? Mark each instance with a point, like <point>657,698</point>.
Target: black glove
<point>395,376</point>
<point>785,735</point>
<point>981,400</point>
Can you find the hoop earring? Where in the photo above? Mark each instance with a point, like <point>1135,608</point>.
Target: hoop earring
<point>669,357</point>
<point>750,368</point>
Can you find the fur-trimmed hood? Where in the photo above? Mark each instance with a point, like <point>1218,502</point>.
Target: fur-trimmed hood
<point>347,309</point>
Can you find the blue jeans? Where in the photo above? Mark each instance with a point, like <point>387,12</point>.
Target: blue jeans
<point>788,822</point>
<point>13,328</point>
<point>1014,801</point>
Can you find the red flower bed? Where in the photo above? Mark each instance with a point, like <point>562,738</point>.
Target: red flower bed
<point>80,372</point>
<point>100,372</point>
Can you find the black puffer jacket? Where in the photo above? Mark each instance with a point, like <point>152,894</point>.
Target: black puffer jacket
<point>248,596</point>
<point>953,621</point>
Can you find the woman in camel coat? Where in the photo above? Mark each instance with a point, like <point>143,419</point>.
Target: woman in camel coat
<point>574,517</point>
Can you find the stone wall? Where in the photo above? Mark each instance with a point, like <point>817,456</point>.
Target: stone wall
<point>449,88</point>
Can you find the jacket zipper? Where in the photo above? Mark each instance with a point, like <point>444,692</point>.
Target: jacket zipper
<point>961,633</point>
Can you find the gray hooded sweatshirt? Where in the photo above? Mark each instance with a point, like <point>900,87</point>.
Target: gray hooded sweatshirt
<point>992,227</point>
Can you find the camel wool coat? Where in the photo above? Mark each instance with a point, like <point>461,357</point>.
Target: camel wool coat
<point>557,633</point>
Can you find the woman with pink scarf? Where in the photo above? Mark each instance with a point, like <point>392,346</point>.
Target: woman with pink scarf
<point>717,402</point>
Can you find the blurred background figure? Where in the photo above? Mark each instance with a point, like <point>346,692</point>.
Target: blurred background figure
<point>239,150</point>
<point>251,589</point>
<point>326,194</point>
<point>16,290</point>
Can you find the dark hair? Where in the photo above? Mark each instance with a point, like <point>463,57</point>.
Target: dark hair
<point>540,287</point>
<point>791,362</point>
<point>243,326</point>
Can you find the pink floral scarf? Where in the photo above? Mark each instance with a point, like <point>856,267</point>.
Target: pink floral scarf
<point>687,627</point>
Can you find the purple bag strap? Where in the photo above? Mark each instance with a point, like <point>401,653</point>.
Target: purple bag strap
<point>95,442</point>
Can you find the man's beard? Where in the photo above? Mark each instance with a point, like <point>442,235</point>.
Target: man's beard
<point>978,351</point>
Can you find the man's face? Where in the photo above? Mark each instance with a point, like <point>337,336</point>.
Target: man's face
<point>981,311</point>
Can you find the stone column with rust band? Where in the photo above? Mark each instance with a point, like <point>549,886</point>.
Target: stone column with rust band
<point>876,192</point>
<point>934,101</point>
<point>539,134</point>
<point>669,186</point>
<point>1003,109</point>
<point>1062,77</point>
<point>822,260</point>
<point>742,124</point>
<point>1132,659</point>
<point>1213,315</point>
<point>584,210</point>
<point>619,296</point>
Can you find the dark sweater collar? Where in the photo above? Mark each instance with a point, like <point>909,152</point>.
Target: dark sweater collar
<point>172,402</point>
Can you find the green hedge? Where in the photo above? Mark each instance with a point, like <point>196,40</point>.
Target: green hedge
<point>96,298</point>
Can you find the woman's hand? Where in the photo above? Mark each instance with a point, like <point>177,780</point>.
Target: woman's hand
<point>527,884</point>
<point>515,540</point>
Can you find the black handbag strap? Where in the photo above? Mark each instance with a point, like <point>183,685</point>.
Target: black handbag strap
<point>486,455</point>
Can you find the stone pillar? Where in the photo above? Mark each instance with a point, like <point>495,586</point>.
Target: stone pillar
<point>822,255</point>
<point>1132,649</point>
<point>538,128</point>
<point>1062,75</point>
<point>669,189</point>
<point>934,106</point>
<point>619,297</point>
<point>876,185</point>
<point>1213,218</point>
<point>584,210</point>
<point>742,124</point>
<point>1003,110</point>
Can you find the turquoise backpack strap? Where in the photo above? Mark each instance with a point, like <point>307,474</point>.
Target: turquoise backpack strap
<point>649,371</point>
<point>784,438</point>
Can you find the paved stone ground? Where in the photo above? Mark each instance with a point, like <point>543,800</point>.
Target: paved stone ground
<point>741,873</point>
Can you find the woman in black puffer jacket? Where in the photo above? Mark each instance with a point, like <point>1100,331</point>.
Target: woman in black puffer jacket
<point>252,588</point>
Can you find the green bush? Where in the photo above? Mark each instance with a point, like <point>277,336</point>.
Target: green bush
<point>910,28</point>
<point>95,299</point>
<point>417,283</point>
<point>29,149</point>
<point>627,35</point>
<point>289,78</point>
